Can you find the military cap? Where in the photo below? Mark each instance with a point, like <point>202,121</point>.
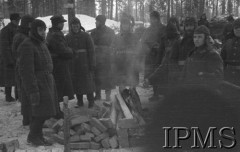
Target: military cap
<point>75,20</point>
<point>190,20</point>
<point>57,19</point>
<point>155,14</point>
<point>15,16</point>
<point>101,18</point>
<point>26,19</point>
<point>236,23</point>
<point>202,30</point>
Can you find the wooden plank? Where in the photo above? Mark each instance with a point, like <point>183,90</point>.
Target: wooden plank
<point>124,108</point>
<point>113,114</point>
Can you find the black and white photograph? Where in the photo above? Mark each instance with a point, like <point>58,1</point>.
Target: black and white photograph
<point>119,76</point>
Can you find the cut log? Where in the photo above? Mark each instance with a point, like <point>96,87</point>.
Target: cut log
<point>124,107</point>
<point>79,120</point>
<point>80,145</point>
<point>11,146</point>
<point>96,123</point>
<point>95,131</point>
<point>95,146</point>
<point>113,113</point>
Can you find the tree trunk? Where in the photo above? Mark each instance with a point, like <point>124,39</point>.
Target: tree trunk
<point>223,7</point>
<point>71,13</point>
<point>111,10</point>
<point>168,11</point>
<point>172,8</point>
<point>217,8</point>
<point>104,7</point>
<point>136,10</point>
<point>213,12</point>
<point>229,7</point>
<point>116,14</point>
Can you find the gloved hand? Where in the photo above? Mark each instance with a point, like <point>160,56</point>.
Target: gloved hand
<point>35,99</point>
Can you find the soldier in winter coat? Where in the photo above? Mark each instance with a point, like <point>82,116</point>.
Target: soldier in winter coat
<point>125,57</point>
<point>166,75</point>
<point>231,56</point>
<point>103,37</point>
<point>35,68</point>
<point>203,21</point>
<point>7,58</point>
<point>181,52</point>
<point>151,40</point>
<point>21,35</point>
<point>83,62</point>
<point>61,56</point>
<point>204,66</point>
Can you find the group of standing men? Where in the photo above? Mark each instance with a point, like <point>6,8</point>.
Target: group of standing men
<point>46,68</point>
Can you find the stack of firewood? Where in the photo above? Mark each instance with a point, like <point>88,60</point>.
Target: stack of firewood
<point>112,131</point>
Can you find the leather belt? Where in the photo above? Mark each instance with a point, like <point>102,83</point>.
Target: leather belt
<point>81,51</point>
<point>233,67</point>
<point>181,62</point>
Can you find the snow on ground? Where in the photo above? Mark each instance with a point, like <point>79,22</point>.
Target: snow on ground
<point>87,22</point>
<point>11,118</point>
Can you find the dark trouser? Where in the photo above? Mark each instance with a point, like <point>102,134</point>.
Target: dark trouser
<point>26,113</point>
<point>90,98</point>
<point>36,126</point>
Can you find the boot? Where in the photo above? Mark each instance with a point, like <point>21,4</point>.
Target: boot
<point>90,100</point>
<point>35,141</point>
<point>98,95</point>
<point>108,93</point>
<point>8,91</point>
<point>79,101</point>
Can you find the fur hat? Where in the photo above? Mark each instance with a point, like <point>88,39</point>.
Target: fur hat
<point>202,30</point>
<point>236,23</point>
<point>57,19</point>
<point>155,14</point>
<point>101,19</point>
<point>26,19</point>
<point>15,16</point>
<point>35,24</point>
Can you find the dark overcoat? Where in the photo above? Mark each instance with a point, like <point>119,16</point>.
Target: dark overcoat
<point>20,36</point>
<point>83,63</point>
<point>61,56</point>
<point>102,38</point>
<point>7,67</point>
<point>151,40</point>
<point>167,74</point>
<point>203,66</point>
<point>125,60</point>
<point>231,58</point>
<point>35,68</point>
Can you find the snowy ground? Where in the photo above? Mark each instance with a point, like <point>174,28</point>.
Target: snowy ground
<point>87,22</point>
<point>11,119</point>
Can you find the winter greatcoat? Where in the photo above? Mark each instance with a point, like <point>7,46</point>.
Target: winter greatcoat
<point>102,38</point>
<point>61,56</point>
<point>35,68</point>
<point>204,66</point>
<point>231,58</point>
<point>181,52</point>
<point>7,67</point>
<point>84,62</point>
<point>167,74</point>
<point>125,60</point>
<point>151,40</point>
<point>21,35</point>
